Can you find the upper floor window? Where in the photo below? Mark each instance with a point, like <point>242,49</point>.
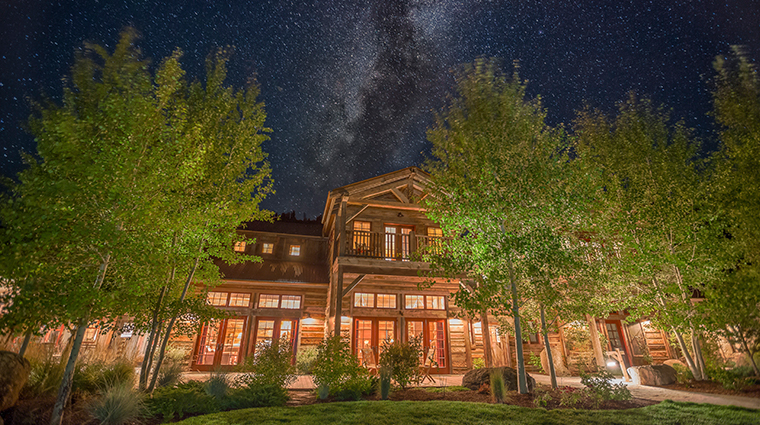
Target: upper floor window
<point>240,246</point>
<point>292,302</point>
<point>295,250</point>
<point>425,302</point>
<point>435,232</point>
<point>363,226</point>
<point>267,248</point>
<point>369,300</point>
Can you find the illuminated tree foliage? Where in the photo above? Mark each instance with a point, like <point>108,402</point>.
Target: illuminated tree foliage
<point>653,211</point>
<point>140,179</point>
<point>502,189</point>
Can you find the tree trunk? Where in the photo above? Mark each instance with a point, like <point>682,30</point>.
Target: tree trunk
<point>689,361</point>
<point>151,346</point>
<point>522,381</point>
<point>698,359</point>
<point>745,347</point>
<point>487,350</point>
<point>169,327</point>
<point>595,343</point>
<point>549,358</point>
<point>25,344</point>
<point>56,418</point>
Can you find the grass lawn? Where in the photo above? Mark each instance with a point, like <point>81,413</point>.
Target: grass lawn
<point>453,412</point>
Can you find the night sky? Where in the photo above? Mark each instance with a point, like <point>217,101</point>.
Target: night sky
<point>350,88</point>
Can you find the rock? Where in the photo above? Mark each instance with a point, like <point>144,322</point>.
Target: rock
<point>14,371</point>
<point>559,363</point>
<point>477,377</point>
<point>660,374</point>
<point>671,362</point>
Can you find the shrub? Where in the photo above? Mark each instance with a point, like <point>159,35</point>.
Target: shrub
<point>305,360</point>
<point>536,362</point>
<point>402,360</point>
<point>218,385</point>
<point>683,374</point>
<point>117,404</point>
<point>478,363</point>
<point>385,383</point>
<point>267,395</point>
<point>542,398</point>
<point>602,389</point>
<point>44,377</point>
<point>733,378</point>
<point>181,401</point>
<point>498,391</point>
<point>270,365</point>
<point>339,371</point>
<point>172,367</point>
<point>97,376</point>
<point>571,397</point>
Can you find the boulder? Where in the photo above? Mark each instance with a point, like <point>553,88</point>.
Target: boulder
<point>559,363</point>
<point>672,362</point>
<point>660,374</point>
<point>14,371</point>
<point>477,377</point>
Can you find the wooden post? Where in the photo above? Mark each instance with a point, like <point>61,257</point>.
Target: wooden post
<point>338,300</point>
<point>487,353</point>
<point>466,326</point>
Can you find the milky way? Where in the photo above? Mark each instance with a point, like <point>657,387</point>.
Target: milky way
<point>351,87</point>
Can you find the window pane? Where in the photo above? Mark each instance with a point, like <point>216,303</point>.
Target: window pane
<point>386,301</point>
<point>267,248</point>
<point>264,332</point>
<point>233,337</point>
<point>207,343</point>
<point>240,246</point>
<point>268,301</point>
<point>435,232</point>
<point>218,299</point>
<point>435,302</point>
<point>291,301</point>
<point>362,225</point>
<point>295,250</point>
<point>240,300</point>
<point>414,301</point>
<point>364,300</point>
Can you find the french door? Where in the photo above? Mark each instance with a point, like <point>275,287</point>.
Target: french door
<point>220,343</point>
<point>369,335</point>
<point>434,347</point>
<point>398,243</point>
<point>276,329</point>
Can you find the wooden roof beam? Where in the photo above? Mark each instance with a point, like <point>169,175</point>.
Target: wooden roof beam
<point>353,284</point>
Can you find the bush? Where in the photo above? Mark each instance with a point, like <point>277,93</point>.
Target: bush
<point>172,367</point>
<point>305,360</point>
<point>402,360</point>
<point>571,397</point>
<point>181,401</point>
<point>44,378</point>
<point>270,365</point>
<point>602,389</point>
<point>218,385</point>
<point>268,395</point>
<point>97,376</point>
<point>339,371</point>
<point>478,363</point>
<point>117,404</point>
<point>385,383</point>
<point>733,378</point>
<point>536,362</point>
<point>683,374</point>
<point>498,391</point>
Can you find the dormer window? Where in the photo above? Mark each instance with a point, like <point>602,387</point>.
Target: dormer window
<point>267,248</point>
<point>240,246</point>
<point>295,250</point>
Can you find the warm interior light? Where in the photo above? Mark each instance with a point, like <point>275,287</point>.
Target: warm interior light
<point>455,322</point>
<point>344,319</point>
<point>611,363</point>
<point>309,321</point>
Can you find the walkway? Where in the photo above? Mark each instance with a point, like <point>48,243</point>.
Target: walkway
<point>304,382</point>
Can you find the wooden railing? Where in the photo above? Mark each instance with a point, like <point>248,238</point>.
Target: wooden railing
<point>390,246</point>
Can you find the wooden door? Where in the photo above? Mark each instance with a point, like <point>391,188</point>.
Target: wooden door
<point>434,343</point>
<point>398,242</point>
<point>220,344</point>
<point>369,334</point>
<point>269,329</point>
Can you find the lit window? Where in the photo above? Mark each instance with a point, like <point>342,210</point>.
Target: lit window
<point>90,335</point>
<point>435,302</point>
<point>268,301</point>
<point>295,250</point>
<point>435,232</point>
<point>363,226</point>
<point>364,300</point>
<point>386,301</point>
<point>240,246</point>
<point>291,301</point>
<point>415,301</point>
<point>267,248</point>
<point>218,299</point>
<point>240,300</point>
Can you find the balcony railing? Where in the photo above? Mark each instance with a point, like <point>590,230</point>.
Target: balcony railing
<point>390,246</point>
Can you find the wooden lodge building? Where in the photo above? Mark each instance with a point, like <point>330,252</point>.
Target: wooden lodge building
<point>355,273</point>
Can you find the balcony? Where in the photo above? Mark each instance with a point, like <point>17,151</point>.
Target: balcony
<point>405,246</point>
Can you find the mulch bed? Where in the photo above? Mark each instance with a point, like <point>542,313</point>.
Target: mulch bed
<point>712,387</point>
<point>306,397</point>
